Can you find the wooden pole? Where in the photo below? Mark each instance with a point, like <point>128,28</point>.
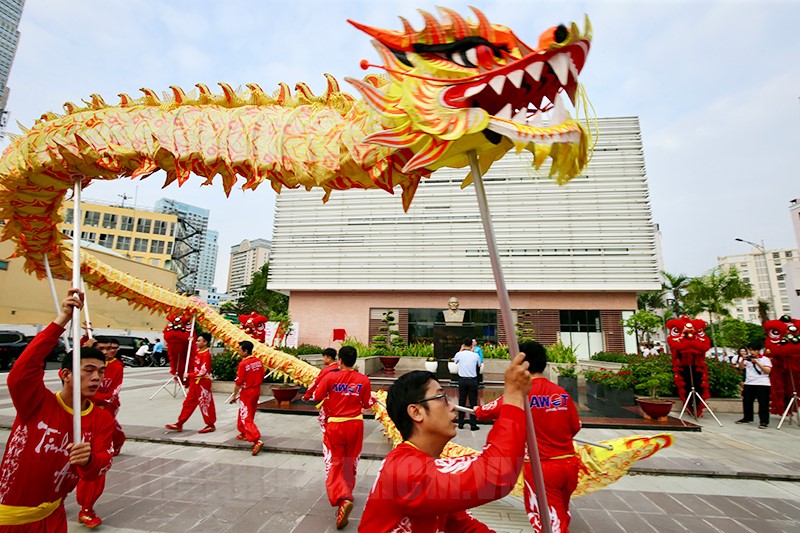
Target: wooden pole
<point>513,346</point>
<point>76,315</point>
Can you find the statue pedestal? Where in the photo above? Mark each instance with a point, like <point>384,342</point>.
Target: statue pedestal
<point>446,343</point>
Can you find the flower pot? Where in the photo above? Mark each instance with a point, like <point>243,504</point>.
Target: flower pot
<point>595,389</point>
<point>655,409</point>
<point>620,396</point>
<point>284,394</point>
<point>389,362</point>
<point>480,371</point>
<point>452,367</point>
<point>570,385</point>
<point>431,366</point>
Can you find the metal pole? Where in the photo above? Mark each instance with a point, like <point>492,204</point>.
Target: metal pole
<point>86,310</point>
<point>513,347</point>
<point>76,315</point>
<point>189,349</point>
<point>64,335</point>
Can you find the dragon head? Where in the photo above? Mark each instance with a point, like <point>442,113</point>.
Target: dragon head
<point>687,335</point>
<point>459,85</point>
<point>782,336</point>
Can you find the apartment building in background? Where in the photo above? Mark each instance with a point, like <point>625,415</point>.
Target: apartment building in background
<point>574,257</point>
<point>195,270</point>
<point>246,259</point>
<point>766,271</point>
<point>10,14</point>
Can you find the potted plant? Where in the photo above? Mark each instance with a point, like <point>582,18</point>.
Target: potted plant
<point>654,379</point>
<point>619,387</point>
<point>452,366</point>
<point>595,382</point>
<point>568,380</point>
<point>431,364</point>
<point>386,342</point>
<point>284,392</point>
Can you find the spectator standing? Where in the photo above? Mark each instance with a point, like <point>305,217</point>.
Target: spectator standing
<point>757,367</point>
<point>468,367</point>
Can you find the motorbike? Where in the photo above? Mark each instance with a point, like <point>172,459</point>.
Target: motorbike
<point>150,359</point>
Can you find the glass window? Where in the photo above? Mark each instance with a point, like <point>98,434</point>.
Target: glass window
<point>139,245</point>
<point>580,321</point>
<point>421,323</point>
<point>68,216</point>
<point>788,253</point>
<point>106,239</point>
<point>123,243</point>
<point>169,248</point>
<point>88,236</point>
<point>171,229</point>
<point>160,227</point>
<point>109,221</point>
<point>91,218</point>
<point>126,223</point>
<point>143,225</point>
<point>156,247</point>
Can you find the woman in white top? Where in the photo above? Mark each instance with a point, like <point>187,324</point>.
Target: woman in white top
<point>757,367</point>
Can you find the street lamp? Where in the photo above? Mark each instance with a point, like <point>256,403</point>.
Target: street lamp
<point>760,248</point>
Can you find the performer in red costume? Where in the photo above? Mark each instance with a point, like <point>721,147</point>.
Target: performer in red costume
<point>688,343</point>
<point>254,325</point>
<point>782,345</point>
<point>199,389</point>
<point>249,377</point>
<point>556,421</point>
<point>345,393</point>
<point>176,335</point>
<point>329,365</point>
<point>40,464</point>
<point>418,491</point>
<point>106,397</point>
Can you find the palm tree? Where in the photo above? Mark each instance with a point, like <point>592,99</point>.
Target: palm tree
<point>675,284</point>
<point>650,301</point>
<point>714,292</point>
<point>763,310</point>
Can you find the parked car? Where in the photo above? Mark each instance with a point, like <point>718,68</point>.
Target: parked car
<point>12,344</point>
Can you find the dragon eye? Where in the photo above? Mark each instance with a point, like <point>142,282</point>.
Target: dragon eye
<point>674,331</point>
<point>774,333</point>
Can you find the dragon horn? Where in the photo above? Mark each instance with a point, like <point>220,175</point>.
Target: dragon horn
<point>484,27</point>
<point>124,100</point>
<point>433,32</point>
<point>150,96</point>
<point>333,85</point>
<point>460,26</point>
<point>177,92</point>
<point>230,94</point>
<point>283,93</point>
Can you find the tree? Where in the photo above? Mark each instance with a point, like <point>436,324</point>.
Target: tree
<point>736,333</point>
<point>257,297</point>
<point>675,285</point>
<point>650,301</point>
<point>643,323</point>
<point>715,292</point>
<point>763,310</point>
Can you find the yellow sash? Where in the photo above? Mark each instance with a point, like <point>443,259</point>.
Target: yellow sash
<point>17,515</point>
<point>345,418</point>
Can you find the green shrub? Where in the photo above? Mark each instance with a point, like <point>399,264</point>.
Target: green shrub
<point>653,375</point>
<point>724,379</point>
<point>308,349</point>
<point>418,349</point>
<point>491,351</point>
<point>560,353</point>
<point>612,357</point>
<point>223,366</point>
<point>568,371</point>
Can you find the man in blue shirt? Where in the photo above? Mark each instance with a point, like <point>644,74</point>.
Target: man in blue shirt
<point>468,366</point>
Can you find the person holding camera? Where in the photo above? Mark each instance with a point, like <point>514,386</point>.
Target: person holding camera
<point>757,367</point>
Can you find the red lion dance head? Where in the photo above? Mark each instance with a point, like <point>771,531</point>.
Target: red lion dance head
<point>783,347</point>
<point>254,325</point>
<point>688,343</point>
<point>176,335</point>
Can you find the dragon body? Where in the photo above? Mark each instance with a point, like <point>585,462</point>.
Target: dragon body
<point>453,87</point>
<point>782,345</point>
<point>688,343</point>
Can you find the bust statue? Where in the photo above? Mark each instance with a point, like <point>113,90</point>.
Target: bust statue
<point>453,315</point>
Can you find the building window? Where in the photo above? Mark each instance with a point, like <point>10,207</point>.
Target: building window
<point>143,225</point>
<point>788,253</point>
<point>156,247</point>
<point>160,227</point>
<point>172,229</point>
<point>68,216</point>
<point>139,245</point>
<point>577,321</point>
<point>155,262</point>
<point>109,221</point>
<point>169,248</point>
<point>776,255</point>
<point>88,236</point>
<point>91,218</point>
<point>421,323</point>
<point>123,243</point>
<point>106,239</point>
<point>126,223</point>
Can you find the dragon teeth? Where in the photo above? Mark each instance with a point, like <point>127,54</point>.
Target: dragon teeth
<point>516,78</point>
<point>472,91</point>
<point>521,115</point>
<point>534,70</point>
<point>559,113</point>
<point>560,65</point>
<point>497,83</point>
<point>505,113</point>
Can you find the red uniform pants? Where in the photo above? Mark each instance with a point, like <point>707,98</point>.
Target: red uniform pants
<point>341,447</point>
<point>560,481</point>
<point>199,394</point>
<point>248,402</point>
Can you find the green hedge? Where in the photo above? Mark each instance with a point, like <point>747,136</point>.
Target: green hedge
<point>613,357</point>
<point>223,366</point>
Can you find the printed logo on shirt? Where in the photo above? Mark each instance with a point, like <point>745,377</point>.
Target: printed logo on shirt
<point>347,388</point>
<point>549,401</point>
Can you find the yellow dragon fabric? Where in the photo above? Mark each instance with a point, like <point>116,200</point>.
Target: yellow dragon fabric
<point>454,86</point>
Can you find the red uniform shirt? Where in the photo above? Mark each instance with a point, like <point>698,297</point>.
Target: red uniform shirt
<point>416,493</point>
<point>347,393</point>
<point>250,373</point>
<point>554,417</point>
<point>35,467</point>
<point>201,365</point>
<point>333,367</point>
<point>107,394</point>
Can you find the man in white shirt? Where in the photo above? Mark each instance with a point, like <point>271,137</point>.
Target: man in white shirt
<point>468,365</point>
<point>757,367</point>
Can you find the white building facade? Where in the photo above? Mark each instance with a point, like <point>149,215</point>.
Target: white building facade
<point>246,259</point>
<point>765,270</point>
<point>574,257</point>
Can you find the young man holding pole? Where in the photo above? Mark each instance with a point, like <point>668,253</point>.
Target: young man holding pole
<point>249,377</point>
<point>41,465</point>
<point>199,388</point>
<point>556,422</point>
<point>346,393</point>
<point>416,490</point>
<point>329,365</point>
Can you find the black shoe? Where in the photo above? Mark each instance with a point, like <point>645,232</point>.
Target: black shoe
<point>461,426</point>
<point>743,421</point>
<point>475,428</point>
<point>762,426</point>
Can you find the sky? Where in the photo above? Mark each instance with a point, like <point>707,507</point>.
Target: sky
<point>716,87</point>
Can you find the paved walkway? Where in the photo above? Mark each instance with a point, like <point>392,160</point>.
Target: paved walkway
<point>733,478</point>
